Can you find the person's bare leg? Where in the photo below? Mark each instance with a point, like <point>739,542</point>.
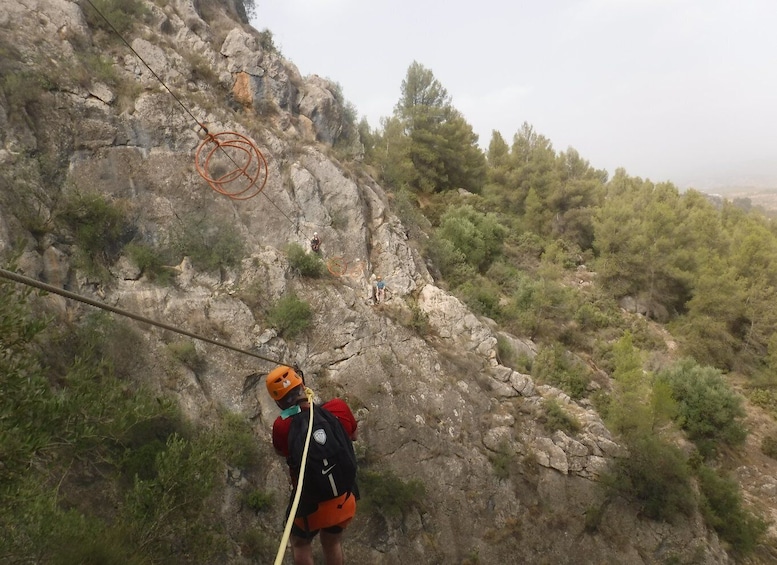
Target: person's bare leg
<point>302,550</point>
<point>333,548</point>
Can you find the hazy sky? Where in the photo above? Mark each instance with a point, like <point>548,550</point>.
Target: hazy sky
<point>680,90</point>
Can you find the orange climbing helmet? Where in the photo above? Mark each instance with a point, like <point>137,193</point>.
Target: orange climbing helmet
<point>281,381</point>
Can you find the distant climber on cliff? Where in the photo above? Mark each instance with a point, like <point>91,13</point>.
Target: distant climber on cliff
<point>315,243</point>
<point>380,290</point>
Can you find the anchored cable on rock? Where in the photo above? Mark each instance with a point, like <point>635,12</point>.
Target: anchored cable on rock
<point>229,162</point>
<point>107,21</point>
<point>16,277</point>
<point>249,175</point>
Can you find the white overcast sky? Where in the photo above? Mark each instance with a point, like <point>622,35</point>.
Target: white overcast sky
<point>679,90</point>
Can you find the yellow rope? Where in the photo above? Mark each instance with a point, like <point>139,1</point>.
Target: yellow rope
<point>298,493</point>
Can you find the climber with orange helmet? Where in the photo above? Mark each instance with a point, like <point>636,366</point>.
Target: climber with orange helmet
<point>334,426</point>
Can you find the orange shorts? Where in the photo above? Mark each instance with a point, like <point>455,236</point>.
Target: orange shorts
<point>335,513</point>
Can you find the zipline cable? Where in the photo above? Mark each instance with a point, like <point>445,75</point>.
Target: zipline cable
<point>16,277</point>
<point>214,183</point>
<point>55,290</point>
<point>107,21</point>
<point>208,136</point>
<point>204,128</point>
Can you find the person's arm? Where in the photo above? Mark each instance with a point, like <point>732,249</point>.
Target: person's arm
<point>280,438</point>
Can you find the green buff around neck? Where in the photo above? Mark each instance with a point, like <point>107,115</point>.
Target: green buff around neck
<point>290,411</point>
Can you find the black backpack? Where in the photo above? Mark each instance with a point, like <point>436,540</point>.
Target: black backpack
<point>331,465</point>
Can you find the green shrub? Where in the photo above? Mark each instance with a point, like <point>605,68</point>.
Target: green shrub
<point>477,236</point>
<point>94,408</point>
<point>30,188</point>
<point>99,67</point>
<point>603,403</point>
<point>290,316</point>
<point>210,246</point>
<point>645,338</point>
<point>555,366</point>
<point>267,41</point>
<point>120,14</point>
<point>237,442</point>
<point>53,416</point>
<point>722,507</point>
<point>593,517</point>
<point>482,296</point>
<point>509,357</point>
<point>95,468</point>
<point>504,275</point>
<point>561,253</point>
<point>151,263</point>
<point>529,244</point>
<point>406,208</point>
<point>501,460</point>
<point>100,229</point>
<point>168,509</point>
<point>26,403</point>
<point>769,446</point>
<point>307,264</point>
<point>257,545</point>
<point>630,412</point>
<point>186,352</point>
<point>389,494</point>
<point>589,317</point>
<point>101,343</point>
<point>556,418</point>
<point>140,462</point>
<point>766,398</point>
<point>21,89</point>
<point>540,307</point>
<point>707,408</point>
<point>259,500</point>
<point>419,320</point>
<point>657,476</point>
<point>201,69</point>
<point>451,261</point>
<point>75,539</point>
<point>252,295</point>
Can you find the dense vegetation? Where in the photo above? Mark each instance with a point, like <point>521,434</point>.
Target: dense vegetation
<point>551,248</point>
<point>96,467</point>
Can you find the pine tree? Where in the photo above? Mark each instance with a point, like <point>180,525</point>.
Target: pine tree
<point>442,147</point>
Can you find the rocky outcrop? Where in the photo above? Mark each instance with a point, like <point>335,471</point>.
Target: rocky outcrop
<point>261,79</point>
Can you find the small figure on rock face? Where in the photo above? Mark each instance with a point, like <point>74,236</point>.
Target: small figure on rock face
<point>315,243</point>
<point>380,290</point>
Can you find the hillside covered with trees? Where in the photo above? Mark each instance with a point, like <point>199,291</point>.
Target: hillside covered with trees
<point>671,294</point>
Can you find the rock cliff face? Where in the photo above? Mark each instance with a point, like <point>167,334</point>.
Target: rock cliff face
<point>437,407</point>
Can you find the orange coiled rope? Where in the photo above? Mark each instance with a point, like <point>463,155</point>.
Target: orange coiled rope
<point>231,164</point>
<point>338,266</point>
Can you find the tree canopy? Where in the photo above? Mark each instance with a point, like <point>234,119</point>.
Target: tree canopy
<point>427,145</point>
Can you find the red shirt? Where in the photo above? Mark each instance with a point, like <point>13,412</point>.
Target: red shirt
<point>338,407</point>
